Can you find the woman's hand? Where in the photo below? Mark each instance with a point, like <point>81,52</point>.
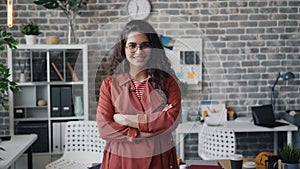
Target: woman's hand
<point>144,135</point>
<point>167,107</point>
<point>131,121</point>
<point>119,118</point>
<point>126,120</point>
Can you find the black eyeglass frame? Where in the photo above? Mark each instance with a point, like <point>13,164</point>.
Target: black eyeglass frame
<point>132,47</point>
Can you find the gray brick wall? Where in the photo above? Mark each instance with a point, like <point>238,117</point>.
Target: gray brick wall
<point>4,123</point>
<point>246,44</point>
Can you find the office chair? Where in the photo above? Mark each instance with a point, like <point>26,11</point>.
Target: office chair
<point>216,143</point>
<point>83,146</point>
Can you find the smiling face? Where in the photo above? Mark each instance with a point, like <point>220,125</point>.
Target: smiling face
<point>137,51</point>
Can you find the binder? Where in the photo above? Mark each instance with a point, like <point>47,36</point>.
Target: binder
<point>56,137</point>
<point>66,101</point>
<point>55,102</point>
<point>62,136</point>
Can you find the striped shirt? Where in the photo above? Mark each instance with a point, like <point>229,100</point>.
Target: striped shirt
<point>140,86</point>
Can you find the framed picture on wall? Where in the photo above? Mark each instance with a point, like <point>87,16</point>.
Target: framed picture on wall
<point>186,59</point>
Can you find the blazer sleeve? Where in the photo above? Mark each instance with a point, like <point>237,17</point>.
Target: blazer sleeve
<point>166,120</point>
<point>108,128</point>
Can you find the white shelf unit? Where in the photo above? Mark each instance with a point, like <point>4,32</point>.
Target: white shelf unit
<point>41,77</point>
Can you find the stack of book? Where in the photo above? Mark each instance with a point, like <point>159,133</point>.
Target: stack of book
<point>203,164</point>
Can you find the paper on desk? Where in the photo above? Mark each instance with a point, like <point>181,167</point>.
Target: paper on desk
<point>244,119</point>
<point>216,113</point>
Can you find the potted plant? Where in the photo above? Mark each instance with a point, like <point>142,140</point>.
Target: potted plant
<point>71,8</point>
<point>31,30</point>
<point>290,156</point>
<point>6,38</point>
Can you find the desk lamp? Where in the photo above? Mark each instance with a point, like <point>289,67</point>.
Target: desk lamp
<point>286,76</point>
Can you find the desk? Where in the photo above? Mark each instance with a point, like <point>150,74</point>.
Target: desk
<point>237,126</point>
<point>15,148</point>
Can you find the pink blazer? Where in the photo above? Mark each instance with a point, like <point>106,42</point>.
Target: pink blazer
<point>125,151</point>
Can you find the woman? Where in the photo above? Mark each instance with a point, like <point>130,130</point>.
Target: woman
<point>140,103</point>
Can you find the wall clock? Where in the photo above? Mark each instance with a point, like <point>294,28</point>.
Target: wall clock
<point>138,9</point>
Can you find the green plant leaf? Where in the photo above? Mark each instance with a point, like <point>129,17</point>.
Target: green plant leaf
<point>66,5</point>
<point>6,38</point>
<point>290,154</point>
<point>53,5</point>
<point>40,2</point>
<point>30,28</point>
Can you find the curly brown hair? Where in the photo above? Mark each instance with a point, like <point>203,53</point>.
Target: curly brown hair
<point>159,66</point>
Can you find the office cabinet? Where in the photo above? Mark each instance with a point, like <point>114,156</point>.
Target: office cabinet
<point>38,127</point>
<point>50,77</point>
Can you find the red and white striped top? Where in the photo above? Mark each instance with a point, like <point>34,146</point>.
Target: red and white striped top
<point>140,86</point>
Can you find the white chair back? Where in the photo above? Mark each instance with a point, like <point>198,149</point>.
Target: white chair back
<point>83,146</point>
<point>216,143</point>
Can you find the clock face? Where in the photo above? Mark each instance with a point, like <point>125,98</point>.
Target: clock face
<point>138,9</point>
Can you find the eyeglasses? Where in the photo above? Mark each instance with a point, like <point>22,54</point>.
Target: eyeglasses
<point>132,47</point>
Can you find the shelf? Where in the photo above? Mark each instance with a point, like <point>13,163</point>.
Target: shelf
<point>67,83</point>
<point>31,119</point>
<point>32,107</point>
<point>63,67</point>
<point>53,47</point>
<point>66,118</point>
<point>31,84</point>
